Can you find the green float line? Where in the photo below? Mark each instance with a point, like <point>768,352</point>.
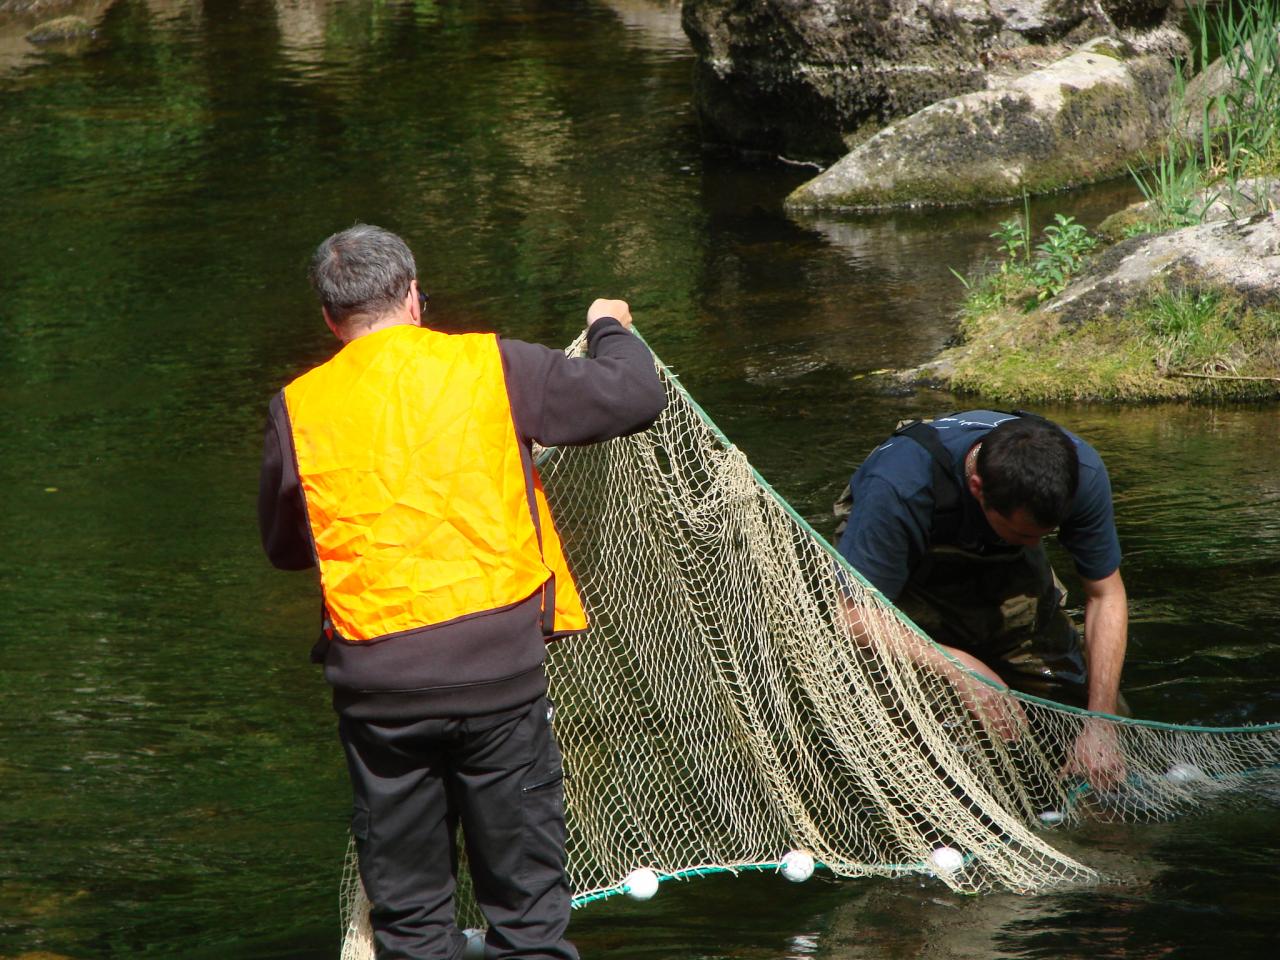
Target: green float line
<point>1082,789</point>
<point>771,866</point>
<point>844,566</point>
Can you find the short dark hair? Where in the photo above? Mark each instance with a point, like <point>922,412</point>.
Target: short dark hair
<point>1031,464</point>
<point>361,270</point>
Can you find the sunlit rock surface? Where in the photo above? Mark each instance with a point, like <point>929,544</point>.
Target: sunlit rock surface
<point>1242,256</point>
<point>811,78</point>
<point>1082,119</point>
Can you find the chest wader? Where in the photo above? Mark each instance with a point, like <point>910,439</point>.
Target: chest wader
<point>1003,606</point>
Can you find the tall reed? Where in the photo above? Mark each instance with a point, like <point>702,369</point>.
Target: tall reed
<point>1239,128</point>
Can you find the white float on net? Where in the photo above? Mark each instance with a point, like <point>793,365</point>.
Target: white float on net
<point>797,865</point>
<point>640,884</point>
<point>1185,773</point>
<point>946,860</point>
<point>474,950</point>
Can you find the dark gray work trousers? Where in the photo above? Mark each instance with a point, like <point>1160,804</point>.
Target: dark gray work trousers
<point>500,776</point>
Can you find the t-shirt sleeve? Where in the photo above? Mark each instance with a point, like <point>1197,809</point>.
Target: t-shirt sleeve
<point>1089,534</point>
<point>885,537</point>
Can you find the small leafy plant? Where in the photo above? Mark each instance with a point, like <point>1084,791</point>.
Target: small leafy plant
<point>1028,275</point>
<point>1064,248</point>
<point>1015,241</point>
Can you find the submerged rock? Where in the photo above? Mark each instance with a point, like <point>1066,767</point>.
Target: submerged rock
<point>61,30</point>
<point>1082,119</point>
<point>29,26</point>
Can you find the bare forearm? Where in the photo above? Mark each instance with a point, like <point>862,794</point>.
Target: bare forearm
<point>1106,631</point>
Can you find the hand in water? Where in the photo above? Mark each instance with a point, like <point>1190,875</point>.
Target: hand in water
<point>1096,756</point>
<point>995,707</point>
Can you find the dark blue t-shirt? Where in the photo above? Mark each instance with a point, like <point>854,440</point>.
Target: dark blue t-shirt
<point>893,496</point>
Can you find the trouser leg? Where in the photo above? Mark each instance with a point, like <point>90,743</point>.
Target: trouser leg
<point>404,825</point>
<point>509,786</point>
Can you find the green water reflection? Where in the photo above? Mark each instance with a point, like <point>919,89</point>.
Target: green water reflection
<point>171,781</point>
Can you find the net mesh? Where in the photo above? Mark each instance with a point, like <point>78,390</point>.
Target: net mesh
<point>743,693</point>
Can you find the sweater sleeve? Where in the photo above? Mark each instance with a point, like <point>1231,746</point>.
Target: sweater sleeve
<point>567,401</point>
<point>282,514</point>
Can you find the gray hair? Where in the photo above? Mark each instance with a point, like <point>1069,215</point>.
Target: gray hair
<point>361,270</point>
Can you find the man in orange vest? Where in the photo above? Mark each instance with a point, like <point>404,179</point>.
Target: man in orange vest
<point>402,469</point>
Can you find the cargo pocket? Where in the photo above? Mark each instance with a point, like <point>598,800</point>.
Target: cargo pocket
<point>542,806</point>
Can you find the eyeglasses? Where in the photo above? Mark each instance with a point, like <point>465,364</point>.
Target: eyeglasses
<point>423,299</point>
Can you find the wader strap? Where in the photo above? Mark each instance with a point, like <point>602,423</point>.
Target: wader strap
<point>946,490</point>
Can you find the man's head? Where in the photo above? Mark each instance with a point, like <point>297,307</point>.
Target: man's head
<point>363,275</point>
<point>1025,478</point>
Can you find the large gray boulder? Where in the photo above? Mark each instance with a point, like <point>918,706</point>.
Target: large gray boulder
<point>1241,256</point>
<point>1082,119</point>
<point>810,78</point>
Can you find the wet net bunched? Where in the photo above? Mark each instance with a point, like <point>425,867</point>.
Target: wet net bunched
<point>744,700</point>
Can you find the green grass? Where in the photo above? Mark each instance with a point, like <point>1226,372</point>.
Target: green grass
<point>1178,344</point>
<point>1239,129</point>
<point>1191,331</point>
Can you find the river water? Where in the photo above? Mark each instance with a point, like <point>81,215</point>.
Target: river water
<point>171,782</point>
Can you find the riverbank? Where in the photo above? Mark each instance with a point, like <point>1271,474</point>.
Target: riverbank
<point>1179,342</point>
<point>1186,305</point>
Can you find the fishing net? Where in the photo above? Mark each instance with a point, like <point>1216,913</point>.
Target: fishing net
<point>743,693</point>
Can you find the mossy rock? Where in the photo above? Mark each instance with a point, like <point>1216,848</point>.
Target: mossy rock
<point>1085,118</point>
<point>1192,314</point>
<point>1141,355</point>
<point>1135,218</point>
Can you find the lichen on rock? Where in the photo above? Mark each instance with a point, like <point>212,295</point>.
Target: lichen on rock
<point>1082,119</point>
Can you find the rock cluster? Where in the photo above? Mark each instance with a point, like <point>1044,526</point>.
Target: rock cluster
<point>811,78</point>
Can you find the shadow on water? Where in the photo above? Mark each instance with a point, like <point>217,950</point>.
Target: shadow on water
<point>172,783</point>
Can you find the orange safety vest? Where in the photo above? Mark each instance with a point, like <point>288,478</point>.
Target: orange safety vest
<point>421,507</point>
